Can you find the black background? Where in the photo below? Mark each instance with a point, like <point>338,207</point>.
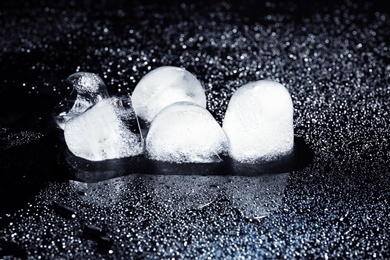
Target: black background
<point>333,57</point>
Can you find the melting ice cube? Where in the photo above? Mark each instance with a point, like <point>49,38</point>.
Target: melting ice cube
<point>259,122</point>
<point>164,86</point>
<point>185,132</point>
<point>88,89</point>
<point>108,130</point>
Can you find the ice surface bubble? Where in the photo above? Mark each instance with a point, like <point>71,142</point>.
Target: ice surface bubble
<point>185,132</point>
<point>108,130</point>
<point>164,86</point>
<point>88,89</point>
<point>259,122</point>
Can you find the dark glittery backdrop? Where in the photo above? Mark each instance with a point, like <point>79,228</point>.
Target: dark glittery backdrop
<point>334,59</point>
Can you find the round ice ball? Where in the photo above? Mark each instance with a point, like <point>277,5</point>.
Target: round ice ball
<point>259,122</point>
<point>163,86</point>
<point>185,132</point>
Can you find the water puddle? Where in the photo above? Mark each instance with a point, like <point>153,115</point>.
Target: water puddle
<point>255,190</point>
<point>253,196</point>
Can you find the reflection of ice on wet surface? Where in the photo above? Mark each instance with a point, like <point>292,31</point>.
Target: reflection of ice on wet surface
<point>132,213</point>
<point>105,193</point>
<point>182,193</point>
<point>253,196</point>
<point>257,196</point>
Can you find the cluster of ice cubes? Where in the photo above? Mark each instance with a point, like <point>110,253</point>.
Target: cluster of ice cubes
<point>166,119</point>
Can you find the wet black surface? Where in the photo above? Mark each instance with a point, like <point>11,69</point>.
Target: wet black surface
<point>334,59</point>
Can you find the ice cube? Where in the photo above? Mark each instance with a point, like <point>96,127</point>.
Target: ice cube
<point>185,132</point>
<point>88,89</point>
<point>164,86</point>
<point>105,193</point>
<point>259,122</point>
<point>108,130</point>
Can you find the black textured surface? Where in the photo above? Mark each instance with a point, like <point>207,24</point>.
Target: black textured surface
<point>334,59</point>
